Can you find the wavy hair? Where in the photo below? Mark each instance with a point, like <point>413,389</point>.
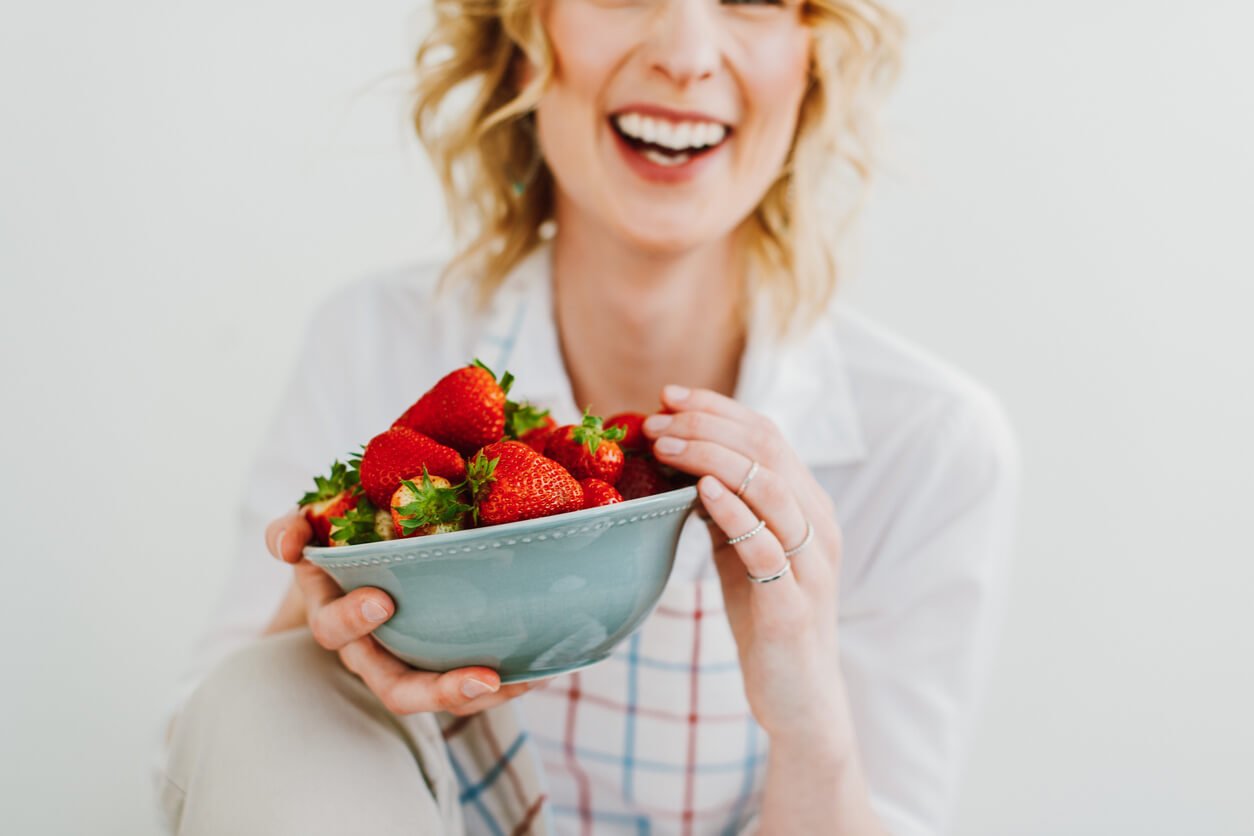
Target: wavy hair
<point>487,144</point>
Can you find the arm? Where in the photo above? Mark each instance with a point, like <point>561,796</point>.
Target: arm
<point>919,626</point>
<point>916,622</point>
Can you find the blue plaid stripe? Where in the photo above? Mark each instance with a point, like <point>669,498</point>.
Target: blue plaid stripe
<point>472,793</point>
<point>507,341</point>
<point>479,806</point>
<point>748,763</point>
<point>629,733</point>
<point>641,822</point>
<point>495,772</point>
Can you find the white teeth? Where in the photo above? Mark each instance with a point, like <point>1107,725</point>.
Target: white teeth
<point>648,129</point>
<point>675,136</point>
<point>697,137</point>
<point>629,123</point>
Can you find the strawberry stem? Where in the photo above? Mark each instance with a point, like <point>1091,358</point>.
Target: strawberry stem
<point>479,472</point>
<point>506,381</point>
<point>342,478</point>
<point>591,432</point>
<point>522,417</point>
<point>431,505</point>
<point>356,526</point>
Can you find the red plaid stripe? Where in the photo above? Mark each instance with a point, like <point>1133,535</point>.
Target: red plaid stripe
<point>658,713</point>
<point>690,775</point>
<point>581,777</point>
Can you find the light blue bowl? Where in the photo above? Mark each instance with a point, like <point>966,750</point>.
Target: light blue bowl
<point>529,599</point>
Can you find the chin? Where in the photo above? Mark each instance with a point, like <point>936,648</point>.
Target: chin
<point>661,234</point>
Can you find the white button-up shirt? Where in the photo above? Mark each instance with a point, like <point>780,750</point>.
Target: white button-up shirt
<point>918,458</point>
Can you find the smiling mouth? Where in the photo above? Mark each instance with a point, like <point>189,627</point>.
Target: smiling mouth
<point>662,154</point>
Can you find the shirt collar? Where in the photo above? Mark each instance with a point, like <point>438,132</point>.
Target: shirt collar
<point>800,383</point>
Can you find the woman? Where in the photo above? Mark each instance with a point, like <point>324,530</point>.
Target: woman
<point>638,189</point>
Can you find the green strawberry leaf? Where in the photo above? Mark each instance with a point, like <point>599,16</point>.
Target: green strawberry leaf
<point>431,505</point>
<point>506,381</point>
<point>591,432</point>
<point>341,479</point>
<point>479,472</point>
<point>521,418</point>
<point>356,526</point>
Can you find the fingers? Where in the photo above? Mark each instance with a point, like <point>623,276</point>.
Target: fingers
<point>782,483</point>
<point>335,618</point>
<point>707,414</point>
<point>287,536</point>
<point>316,585</point>
<point>761,553</point>
<point>703,425</point>
<point>768,496</point>
<point>348,618</point>
<point>404,690</point>
<point>680,399</point>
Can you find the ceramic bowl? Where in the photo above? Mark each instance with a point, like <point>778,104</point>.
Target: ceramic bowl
<point>529,599</point>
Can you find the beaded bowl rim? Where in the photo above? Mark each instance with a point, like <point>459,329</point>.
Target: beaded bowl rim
<point>485,538</point>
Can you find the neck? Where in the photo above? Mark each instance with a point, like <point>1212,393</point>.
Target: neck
<point>631,321</point>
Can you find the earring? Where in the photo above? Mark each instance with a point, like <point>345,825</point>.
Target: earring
<point>520,184</point>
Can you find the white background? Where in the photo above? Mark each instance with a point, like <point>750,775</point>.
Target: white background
<point>1066,214</point>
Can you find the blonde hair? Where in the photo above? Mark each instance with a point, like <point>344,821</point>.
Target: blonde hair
<point>489,143</point>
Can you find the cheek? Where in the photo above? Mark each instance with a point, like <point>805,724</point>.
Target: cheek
<point>777,82</point>
<point>585,53</point>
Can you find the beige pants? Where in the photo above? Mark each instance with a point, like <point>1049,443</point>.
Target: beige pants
<point>281,739</point>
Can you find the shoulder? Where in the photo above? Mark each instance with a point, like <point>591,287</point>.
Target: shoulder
<point>920,410</point>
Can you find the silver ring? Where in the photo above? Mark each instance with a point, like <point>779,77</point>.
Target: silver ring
<point>776,576</point>
<point>744,483</point>
<point>757,528</point>
<point>805,541</point>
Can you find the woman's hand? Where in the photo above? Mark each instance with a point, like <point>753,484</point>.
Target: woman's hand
<point>785,629</point>
<point>343,623</point>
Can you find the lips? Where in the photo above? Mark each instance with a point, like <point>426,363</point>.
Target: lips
<point>642,146</point>
<point>661,166</point>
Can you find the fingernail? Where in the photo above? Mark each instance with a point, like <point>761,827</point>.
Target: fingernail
<point>278,547</point>
<point>657,423</point>
<point>675,393</point>
<point>373,612</point>
<point>671,445</point>
<point>711,488</point>
<point>474,688</point>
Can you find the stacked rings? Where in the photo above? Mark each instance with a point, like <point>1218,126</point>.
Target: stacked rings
<point>805,541</point>
<point>744,483</point>
<point>751,533</point>
<point>787,568</point>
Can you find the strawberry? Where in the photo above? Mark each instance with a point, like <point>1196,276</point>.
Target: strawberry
<point>332,496</point>
<point>464,410</point>
<point>383,525</point>
<point>597,493</point>
<point>538,438</point>
<point>357,525</point>
<point>432,507</point>
<point>633,440</point>
<point>642,476</point>
<point>588,450</point>
<point>509,482</point>
<point>401,453</point>
<point>530,425</point>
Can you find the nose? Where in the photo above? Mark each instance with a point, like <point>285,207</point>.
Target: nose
<point>683,44</point>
